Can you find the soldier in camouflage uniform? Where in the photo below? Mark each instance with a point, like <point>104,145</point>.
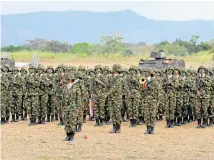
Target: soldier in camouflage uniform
<point>51,94</point>
<point>133,95</point>
<point>71,99</point>
<point>178,84</point>
<point>170,97</point>
<point>17,91</point>
<point>32,88</point>
<point>151,100</point>
<point>115,98</point>
<point>4,95</point>
<point>211,104</point>
<point>43,95</point>
<point>203,83</point>
<point>59,82</point>
<point>24,72</point>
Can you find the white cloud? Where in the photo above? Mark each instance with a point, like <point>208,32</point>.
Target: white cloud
<point>153,10</point>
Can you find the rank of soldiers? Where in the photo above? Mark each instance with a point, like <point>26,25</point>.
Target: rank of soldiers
<point>108,96</point>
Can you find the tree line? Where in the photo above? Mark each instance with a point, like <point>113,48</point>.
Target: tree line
<point>111,44</point>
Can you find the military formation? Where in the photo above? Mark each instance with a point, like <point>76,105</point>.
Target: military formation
<point>108,96</point>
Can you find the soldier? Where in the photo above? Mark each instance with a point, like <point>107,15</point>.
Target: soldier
<point>4,95</point>
<point>32,88</point>
<point>170,97</point>
<point>203,83</point>
<point>115,98</point>
<point>211,104</point>
<point>178,85</point>
<point>59,82</point>
<point>17,93</point>
<point>51,94</point>
<point>23,72</point>
<point>133,95</point>
<point>71,100</point>
<point>43,96</point>
<point>151,99</point>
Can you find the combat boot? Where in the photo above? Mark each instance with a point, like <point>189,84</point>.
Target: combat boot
<point>61,121</point>
<point>167,123</point>
<point>68,137</point>
<point>17,118</point>
<point>179,121</point>
<point>131,123</point>
<point>118,128</point>
<point>101,122</point>
<point>32,122</point>
<point>140,121</point>
<point>43,120</point>
<point>211,122</point>
<point>152,130</point>
<point>134,123</point>
<point>148,129</point>
<point>2,120</point>
<point>13,118</point>
<point>39,120</point>
<point>97,123</point>
<point>185,120</point>
<point>25,116</point>
<point>160,117</point>
<point>175,122</point>
<point>108,120</point>
<point>22,117</point>
<point>71,137</point>
<point>48,118</point>
<point>56,117</point>
<point>52,118</point>
<point>7,120</point>
<point>199,123</point>
<point>114,129</point>
<point>204,123</point>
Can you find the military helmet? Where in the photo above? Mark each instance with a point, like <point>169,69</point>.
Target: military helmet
<point>98,67</point>
<point>169,68</point>
<point>5,67</point>
<point>202,67</point>
<point>23,69</point>
<point>132,67</point>
<point>73,68</point>
<point>32,67</point>
<point>15,69</point>
<point>81,67</point>
<point>117,68</point>
<point>61,66</point>
<point>177,69</point>
<point>50,67</point>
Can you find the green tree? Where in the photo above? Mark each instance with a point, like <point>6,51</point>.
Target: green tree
<point>194,39</point>
<point>81,49</point>
<point>113,44</point>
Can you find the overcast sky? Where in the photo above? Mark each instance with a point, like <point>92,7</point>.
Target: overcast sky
<point>153,10</point>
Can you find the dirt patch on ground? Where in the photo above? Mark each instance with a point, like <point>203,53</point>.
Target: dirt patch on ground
<point>45,142</point>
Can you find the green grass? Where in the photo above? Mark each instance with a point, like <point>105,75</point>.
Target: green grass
<point>47,57</point>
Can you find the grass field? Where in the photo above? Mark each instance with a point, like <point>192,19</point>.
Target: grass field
<point>47,58</point>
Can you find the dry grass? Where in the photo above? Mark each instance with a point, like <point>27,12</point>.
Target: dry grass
<point>45,142</point>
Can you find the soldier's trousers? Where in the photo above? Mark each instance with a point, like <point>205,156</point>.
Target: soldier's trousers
<point>99,112</point>
<point>42,109</point>
<point>192,105</point>
<point>150,111</point>
<point>179,106</point>
<point>133,108</point>
<point>51,105</point>
<point>141,109</point>
<point>124,109</point>
<point>202,107</point>
<point>32,105</point>
<point>170,107</point>
<point>23,106</point>
<point>4,106</point>
<point>69,119</point>
<point>80,117</point>
<point>211,108</point>
<point>58,106</point>
<point>107,109</point>
<point>115,108</point>
<point>16,105</point>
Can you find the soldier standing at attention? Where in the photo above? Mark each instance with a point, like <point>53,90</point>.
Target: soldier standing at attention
<point>71,101</point>
<point>151,99</point>
<point>115,97</point>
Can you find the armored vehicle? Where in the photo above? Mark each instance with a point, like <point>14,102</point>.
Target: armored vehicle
<point>160,61</point>
<point>5,60</point>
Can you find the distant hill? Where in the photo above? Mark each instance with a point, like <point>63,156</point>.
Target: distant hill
<point>83,26</point>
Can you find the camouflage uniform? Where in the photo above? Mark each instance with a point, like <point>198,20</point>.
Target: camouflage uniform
<point>4,96</point>
<point>178,84</point>
<point>151,99</point>
<point>32,88</point>
<point>170,97</point>
<point>16,95</point>
<point>51,94</point>
<point>23,72</point>
<point>43,96</point>
<point>115,98</point>
<point>203,83</point>
<point>71,99</point>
